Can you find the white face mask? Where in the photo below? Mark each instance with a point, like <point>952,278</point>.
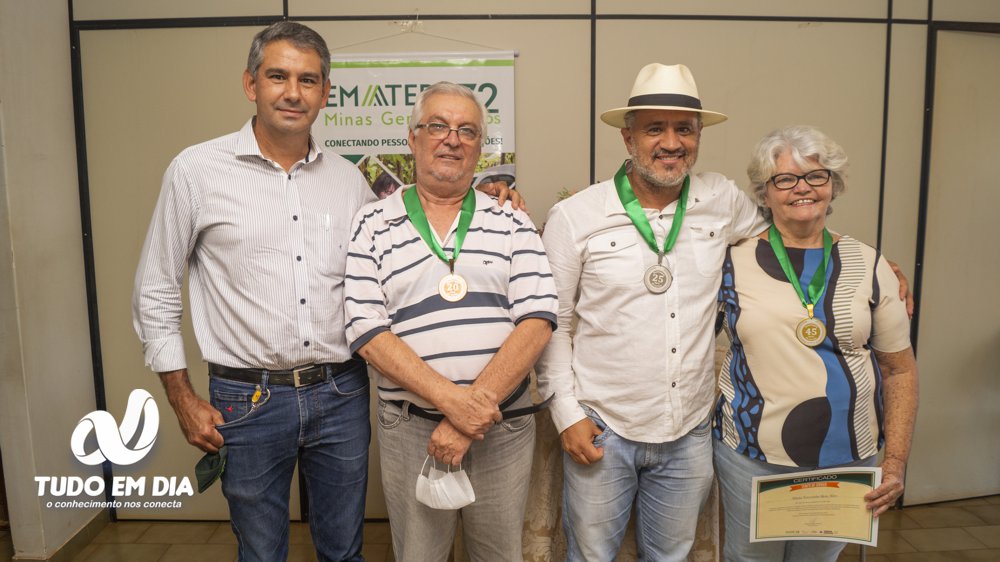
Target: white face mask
<point>444,489</point>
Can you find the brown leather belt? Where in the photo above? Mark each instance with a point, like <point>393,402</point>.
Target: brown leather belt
<point>300,376</point>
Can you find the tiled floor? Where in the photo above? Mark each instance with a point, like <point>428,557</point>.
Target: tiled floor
<point>962,530</point>
<point>144,541</point>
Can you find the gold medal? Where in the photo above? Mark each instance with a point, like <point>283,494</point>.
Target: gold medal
<point>657,279</point>
<point>453,287</point>
<point>811,331</point>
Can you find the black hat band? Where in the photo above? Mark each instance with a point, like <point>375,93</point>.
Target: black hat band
<point>673,100</point>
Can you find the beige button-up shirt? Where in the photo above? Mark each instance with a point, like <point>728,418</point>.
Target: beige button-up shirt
<point>642,361</point>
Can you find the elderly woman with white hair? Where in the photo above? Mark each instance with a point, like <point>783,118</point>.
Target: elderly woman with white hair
<point>820,372</point>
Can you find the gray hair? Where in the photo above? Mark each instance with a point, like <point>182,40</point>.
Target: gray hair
<point>450,89</point>
<point>630,118</point>
<point>302,37</point>
<point>801,142</point>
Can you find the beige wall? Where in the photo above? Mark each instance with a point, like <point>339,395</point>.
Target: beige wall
<point>151,92</point>
<point>46,378</point>
<point>958,450</point>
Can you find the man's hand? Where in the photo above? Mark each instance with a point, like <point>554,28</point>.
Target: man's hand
<point>578,441</point>
<point>882,498</point>
<point>196,417</point>
<point>471,410</point>
<point>904,287</point>
<point>448,444</point>
<point>500,190</point>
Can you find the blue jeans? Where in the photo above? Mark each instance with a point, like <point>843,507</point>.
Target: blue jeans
<point>736,474</point>
<point>499,468</point>
<point>668,482</point>
<point>327,424</point>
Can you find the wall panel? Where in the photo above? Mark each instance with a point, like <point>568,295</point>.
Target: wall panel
<point>802,8</point>
<point>299,8</point>
<point>46,372</point>
<point>909,9</point>
<point>903,145</point>
<point>132,9</point>
<point>967,10</point>
<point>956,449</point>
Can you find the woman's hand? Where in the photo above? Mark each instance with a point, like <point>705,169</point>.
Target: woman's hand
<point>900,396</point>
<point>882,498</point>
<point>904,287</point>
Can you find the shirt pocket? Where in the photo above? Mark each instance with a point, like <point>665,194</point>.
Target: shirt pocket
<point>709,246</point>
<point>616,257</point>
<point>332,250</point>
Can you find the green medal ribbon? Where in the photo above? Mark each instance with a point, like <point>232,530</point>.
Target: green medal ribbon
<point>415,211</point>
<point>634,211</point>
<point>817,286</point>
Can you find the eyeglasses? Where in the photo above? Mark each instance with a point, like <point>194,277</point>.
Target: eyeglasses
<point>438,131</point>
<point>815,178</point>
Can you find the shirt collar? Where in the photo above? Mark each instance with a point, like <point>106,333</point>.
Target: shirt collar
<point>246,144</point>
<point>395,208</point>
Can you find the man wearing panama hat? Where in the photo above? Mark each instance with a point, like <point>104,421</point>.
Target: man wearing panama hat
<point>637,262</point>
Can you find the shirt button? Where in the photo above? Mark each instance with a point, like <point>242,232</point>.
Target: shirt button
<point>306,343</point>
<point>711,234</point>
<point>298,258</point>
<point>295,217</point>
<point>302,301</point>
<point>613,244</point>
<point>673,385</point>
<point>673,314</point>
<point>673,350</point>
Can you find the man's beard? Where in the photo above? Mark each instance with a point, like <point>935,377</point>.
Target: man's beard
<point>662,180</point>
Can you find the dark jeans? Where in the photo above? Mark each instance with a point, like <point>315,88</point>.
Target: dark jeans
<point>327,423</point>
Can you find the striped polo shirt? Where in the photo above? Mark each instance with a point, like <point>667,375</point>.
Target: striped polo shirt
<point>392,284</point>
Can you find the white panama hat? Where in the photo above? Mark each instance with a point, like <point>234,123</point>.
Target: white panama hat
<point>659,86</point>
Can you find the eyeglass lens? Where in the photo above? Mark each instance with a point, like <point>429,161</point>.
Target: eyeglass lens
<point>441,130</point>
<point>815,178</point>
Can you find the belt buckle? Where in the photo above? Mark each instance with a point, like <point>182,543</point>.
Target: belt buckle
<point>296,373</point>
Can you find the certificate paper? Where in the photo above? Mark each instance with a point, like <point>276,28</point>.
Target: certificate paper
<point>815,505</point>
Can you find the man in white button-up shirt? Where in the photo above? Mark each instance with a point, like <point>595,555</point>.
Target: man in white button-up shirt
<point>631,361</point>
<point>260,218</point>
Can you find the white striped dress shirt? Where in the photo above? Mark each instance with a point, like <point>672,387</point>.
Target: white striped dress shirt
<point>265,252</point>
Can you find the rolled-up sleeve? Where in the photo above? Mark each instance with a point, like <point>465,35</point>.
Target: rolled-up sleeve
<point>156,297</point>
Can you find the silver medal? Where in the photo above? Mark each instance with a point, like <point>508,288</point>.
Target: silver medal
<point>657,279</point>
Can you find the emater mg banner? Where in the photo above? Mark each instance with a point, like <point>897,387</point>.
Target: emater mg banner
<point>372,96</point>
